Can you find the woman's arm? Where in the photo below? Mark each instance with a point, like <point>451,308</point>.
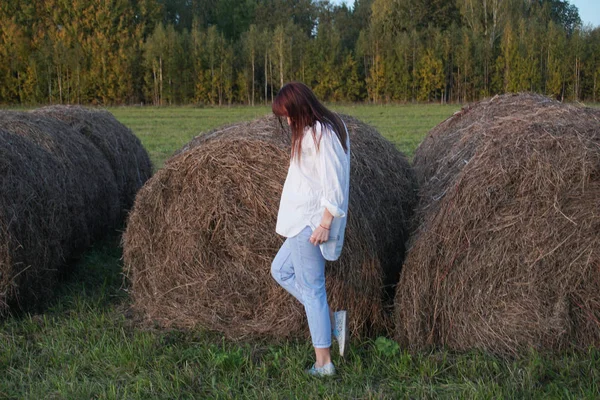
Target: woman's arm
<point>321,234</point>
<point>332,175</point>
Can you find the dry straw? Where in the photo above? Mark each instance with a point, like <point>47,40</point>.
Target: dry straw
<point>63,195</point>
<point>128,159</point>
<point>87,178</point>
<point>61,187</point>
<point>34,216</point>
<point>201,237</point>
<point>507,256</point>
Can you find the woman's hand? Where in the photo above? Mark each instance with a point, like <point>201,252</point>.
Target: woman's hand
<point>319,235</point>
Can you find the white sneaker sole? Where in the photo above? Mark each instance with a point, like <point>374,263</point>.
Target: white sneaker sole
<point>343,333</point>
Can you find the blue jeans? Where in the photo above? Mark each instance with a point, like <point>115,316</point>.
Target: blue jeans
<point>299,267</point>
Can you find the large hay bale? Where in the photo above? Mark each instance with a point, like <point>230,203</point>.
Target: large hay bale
<point>34,217</point>
<point>58,193</point>
<point>507,256</point>
<point>127,157</point>
<point>201,237</point>
<point>91,187</point>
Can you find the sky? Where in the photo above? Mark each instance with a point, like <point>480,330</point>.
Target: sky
<point>589,10</point>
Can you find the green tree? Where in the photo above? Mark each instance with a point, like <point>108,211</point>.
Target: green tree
<point>251,42</point>
<point>431,76</point>
<point>352,85</point>
<point>155,50</point>
<point>593,63</point>
<point>14,51</point>
<point>555,83</point>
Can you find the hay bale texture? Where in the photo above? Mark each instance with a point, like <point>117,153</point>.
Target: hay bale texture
<point>127,157</point>
<point>34,215</point>
<point>86,176</point>
<point>62,186</point>
<point>507,255</point>
<point>58,194</point>
<point>201,237</point>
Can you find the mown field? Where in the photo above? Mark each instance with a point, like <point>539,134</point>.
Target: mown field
<point>162,131</point>
<point>83,346</point>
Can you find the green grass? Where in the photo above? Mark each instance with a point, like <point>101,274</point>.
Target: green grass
<point>82,346</point>
<point>404,125</point>
<point>164,130</point>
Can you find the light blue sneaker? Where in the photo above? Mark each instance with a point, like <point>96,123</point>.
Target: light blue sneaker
<point>325,370</point>
<point>340,329</point>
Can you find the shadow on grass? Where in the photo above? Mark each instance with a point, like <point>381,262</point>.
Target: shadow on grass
<point>92,281</point>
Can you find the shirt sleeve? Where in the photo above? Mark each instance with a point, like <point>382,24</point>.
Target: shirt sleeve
<point>332,172</point>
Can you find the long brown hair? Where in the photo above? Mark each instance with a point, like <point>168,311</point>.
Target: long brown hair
<point>296,101</point>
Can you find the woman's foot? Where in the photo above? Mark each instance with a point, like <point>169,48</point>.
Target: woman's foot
<point>340,329</point>
<point>325,370</point>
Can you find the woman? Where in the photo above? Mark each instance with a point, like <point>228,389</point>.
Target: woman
<point>312,213</point>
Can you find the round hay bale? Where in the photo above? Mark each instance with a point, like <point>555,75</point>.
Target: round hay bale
<point>129,160</point>
<point>507,255</point>
<point>58,194</point>
<point>92,191</point>
<point>201,236</point>
<point>34,218</point>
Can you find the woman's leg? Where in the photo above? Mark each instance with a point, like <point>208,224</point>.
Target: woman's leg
<point>309,266</point>
<point>282,270</point>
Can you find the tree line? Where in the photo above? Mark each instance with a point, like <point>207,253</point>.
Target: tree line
<point>242,51</point>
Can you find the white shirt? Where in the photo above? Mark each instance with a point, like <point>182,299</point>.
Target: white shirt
<point>319,180</point>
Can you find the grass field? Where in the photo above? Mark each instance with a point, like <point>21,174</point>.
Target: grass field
<point>81,346</point>
<point>164,130</point>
